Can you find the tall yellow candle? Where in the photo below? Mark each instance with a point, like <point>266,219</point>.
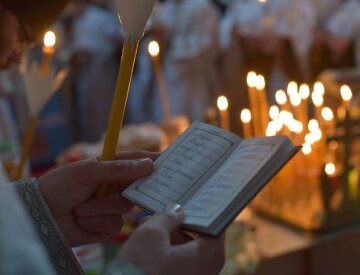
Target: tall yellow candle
<point>245,118</point>
<point>154,51</point>
<point>304,92</point>
<point>133,15</point>
<point>223,106</point>
<point>254,102</point>
<point>119,104</point>
<point>263,103</point>
<point>27,141</point>
<point>346,95</point>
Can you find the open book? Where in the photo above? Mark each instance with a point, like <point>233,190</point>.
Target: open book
<point>212,173</point>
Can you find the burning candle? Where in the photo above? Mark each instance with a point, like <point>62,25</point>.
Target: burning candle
<point>154,51</point>
<point>328,116</point>
<point>319,88</point>
<point>133,16</point>
<point>254,102</point>
<point>292,88</point>
<point>274,112</point>
<point>263,102</point>
<point>346,95</point>
<point>48,52</point>
<point>245,118</point>
<point>304,92</point>
<point>318,101</point>
<point>223,106</point>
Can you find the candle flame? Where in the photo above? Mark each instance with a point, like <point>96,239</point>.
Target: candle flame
<point>317,99</point>
<point>245,116</point>
<point>286,118</point>
<point>317,134</point>
<point>251,79</point>
<point>292,88</point>
<point>271,129</point>
<point>280,97</point>
<point>295,100</point>
<point>346,93</point>
<point>260,83</point>
<point>319,88</point>
<point>330,169</point>
<point>49,39</point>
<point>313,125</point>
<point>310,138</point>
<point>306,149</point>
<point>274,112</point>
<point>222,103</point>
<point>154,48</point>
<point>304,91</point>
<point>327,114</point>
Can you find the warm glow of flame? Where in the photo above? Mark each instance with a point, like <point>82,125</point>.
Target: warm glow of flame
<point>286,118</point>
<point>304,91</point>
<point>278,124</point>
<point>271,129</point>
<point>292,88</point>
<point>327,114</point>
<point>319,88</point>
<point>49,39</point>
<point>309,138</point>
<point>295,100</point>
<point>260,83</point>
<point>317,99</point>
<point>251,79</point>
<point>222,103</point>
<point>274,112</point>
<point>298,127</point>
<point>245,116</point>
<point>313,125</point>
<point>306,149</point>
<point>317,134</point>
<point>346,93</point>
<point>330,169</point>
<point>262,1</point>
<point>154,48</point>
<point>280,97</point>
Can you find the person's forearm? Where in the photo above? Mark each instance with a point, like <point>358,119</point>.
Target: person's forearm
<point>60,253</point>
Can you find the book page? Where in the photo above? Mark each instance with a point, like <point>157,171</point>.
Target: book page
<point>184,166</point>
<point>234,175</point>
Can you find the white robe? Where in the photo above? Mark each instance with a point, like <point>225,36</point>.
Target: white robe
<point>345,22</point>
<point>94,31</point>
<point>292,19</point>
<point>189,60</point>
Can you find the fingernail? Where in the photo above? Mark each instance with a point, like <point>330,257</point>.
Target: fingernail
<point>174,208</point>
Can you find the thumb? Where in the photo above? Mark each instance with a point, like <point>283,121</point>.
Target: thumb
<point>166,221</point>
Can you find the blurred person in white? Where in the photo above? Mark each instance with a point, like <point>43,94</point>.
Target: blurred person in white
<point>337,38</point>
<point>188,34</point>
<point>266,38</point>
<point>41,219</point>
<point>325,8</point>
<point>93,49</point>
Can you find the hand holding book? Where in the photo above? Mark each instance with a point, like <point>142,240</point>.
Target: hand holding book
<point>213,173</point>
